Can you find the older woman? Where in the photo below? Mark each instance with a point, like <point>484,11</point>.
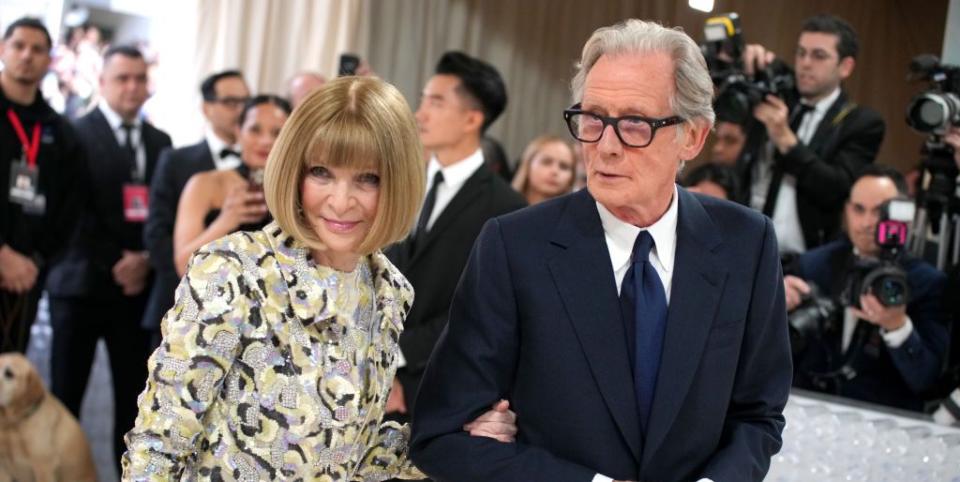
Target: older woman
<point>278,356</point>
<point>547,169</point>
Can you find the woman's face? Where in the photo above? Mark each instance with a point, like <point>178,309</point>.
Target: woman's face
<point>551,170</point>
<point>258,131</point>
<point>340,204</point>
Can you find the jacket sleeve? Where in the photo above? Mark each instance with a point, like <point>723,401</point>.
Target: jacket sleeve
<point>920,358</point>
<point>826,181</point>
<point>158,229</point>
<point>202,336</point>
<point>479,349</point>
<point>67,198</point>
<point>386,456</point>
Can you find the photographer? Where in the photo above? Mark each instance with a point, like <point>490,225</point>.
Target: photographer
<point>876,353</point>
<point>817,145</point>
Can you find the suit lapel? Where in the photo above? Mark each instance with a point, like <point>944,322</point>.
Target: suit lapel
<point>471,189</point>
<point>580,265</point>
<point>698,280</point>
<point>826,126</point>
<point>103,131</point>
<point>151,148</point>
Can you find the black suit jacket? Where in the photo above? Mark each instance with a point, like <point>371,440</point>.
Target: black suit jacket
<point>434,267</point>
<point>847,139</point>
<point>174,169</point>
<point>536,320</point>
<point>103,233</point>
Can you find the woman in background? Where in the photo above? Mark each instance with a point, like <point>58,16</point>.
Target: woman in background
<point>217,203</point>
<point>546,169</point>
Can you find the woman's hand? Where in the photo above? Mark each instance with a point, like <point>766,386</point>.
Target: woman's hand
<point>241,206</point>
<point>498,423</point>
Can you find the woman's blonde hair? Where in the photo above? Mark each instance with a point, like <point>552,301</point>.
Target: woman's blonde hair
<point>353,122</point>
<point>521,179</point>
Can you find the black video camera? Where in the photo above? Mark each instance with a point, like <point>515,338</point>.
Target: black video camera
<point>936,109</point>
<point>883,276</point>
<point>738,93</point>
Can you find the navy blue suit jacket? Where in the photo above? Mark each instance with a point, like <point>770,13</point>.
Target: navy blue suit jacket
<point>536,320</point>
<point>890,376</point>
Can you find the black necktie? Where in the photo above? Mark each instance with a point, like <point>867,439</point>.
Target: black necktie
<point>644,303</point>
<point>428,203</point>
<point>797,117</point>
<point>129,150</point>
<point>226,151</point>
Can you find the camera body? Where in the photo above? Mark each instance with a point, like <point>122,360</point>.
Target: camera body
<point>883,276</point>
<point>936,109</point>
<point>738,93</point>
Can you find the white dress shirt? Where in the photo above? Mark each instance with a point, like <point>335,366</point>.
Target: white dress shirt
<point>136,133</point>
<point>454,177</point>
<point>216,144</point>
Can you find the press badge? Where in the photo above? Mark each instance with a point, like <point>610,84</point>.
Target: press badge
<point>136,202</point>
<point>23,188</point>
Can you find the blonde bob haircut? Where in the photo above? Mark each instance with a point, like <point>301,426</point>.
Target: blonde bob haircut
<point>521,180</point>
<point>352,122</point>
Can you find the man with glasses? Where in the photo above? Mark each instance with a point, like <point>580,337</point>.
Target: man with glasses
<point>803,176</point>
<point>637,330</point>
<point>224,94</point>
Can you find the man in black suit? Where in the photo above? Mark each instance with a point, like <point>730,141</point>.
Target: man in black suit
<point>100,288</point>
<point>224,94</point>
<point>638,330</point>
<point>459,102</point>
<point>817,146</point>
<point>38,206</point>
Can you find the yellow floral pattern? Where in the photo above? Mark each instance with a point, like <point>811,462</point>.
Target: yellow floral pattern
<point>273,368</point>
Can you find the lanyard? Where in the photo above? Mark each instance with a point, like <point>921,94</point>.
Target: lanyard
<point>30,147</point>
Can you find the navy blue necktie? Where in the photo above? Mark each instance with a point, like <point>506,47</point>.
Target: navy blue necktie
<point>642,295</point>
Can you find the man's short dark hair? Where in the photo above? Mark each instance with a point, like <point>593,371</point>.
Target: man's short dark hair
<point>28,22</point>
<point>208,89</point>
<point>847,44</point>
<point>128,51</point>
<point>889,172</point>
<point>723,176</point>
<point>480,82</point>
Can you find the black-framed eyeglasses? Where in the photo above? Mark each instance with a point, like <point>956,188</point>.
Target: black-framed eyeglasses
<point>232,102</point>
<point>632,130</point>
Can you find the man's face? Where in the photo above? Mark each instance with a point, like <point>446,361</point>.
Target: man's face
<point>632,180</point>
<point>25,55</point>
<point>444,116</point>
<point>818,64</point>
<point>728,144</point>
<point>224,112</point>
<point>862,211</point>
<point>123,84</point>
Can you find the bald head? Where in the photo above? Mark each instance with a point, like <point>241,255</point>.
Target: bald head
<point>303,84</point>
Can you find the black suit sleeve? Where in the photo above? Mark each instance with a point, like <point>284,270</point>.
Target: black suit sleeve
<point>827,181</point>
<point>158,230</point>
<point>67,198</point>
<point>919,359</point>
<point>751,432</point>
<point>473,367</point>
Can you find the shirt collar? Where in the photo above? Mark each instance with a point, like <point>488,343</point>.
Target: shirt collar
<point>823,104</point>
<point>113,118</point>
<point>457,173</point>
<point>217,144</point>
<point>621,236</point>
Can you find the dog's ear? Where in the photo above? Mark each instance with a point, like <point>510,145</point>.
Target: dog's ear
<point>31,387</point>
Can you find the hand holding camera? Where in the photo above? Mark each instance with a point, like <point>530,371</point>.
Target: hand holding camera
<point>887,317</point>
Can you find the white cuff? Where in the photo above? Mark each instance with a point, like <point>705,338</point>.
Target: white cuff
<point>897,337</point>
<point>601,478</point>
<point>401,361</point>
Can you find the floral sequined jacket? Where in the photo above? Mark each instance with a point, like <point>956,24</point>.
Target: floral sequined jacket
<point>272,368</point>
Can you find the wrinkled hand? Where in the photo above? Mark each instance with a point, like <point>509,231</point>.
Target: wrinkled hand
<point>240,207</point>
<point>953,140</point>
<point>130,272</point>
<point>498,423</point>
<point>395,401</point>
<point>18,273</point>
<point>795,288</point>
<point>774,114</point>
<point>887,317</point>
<point>756,57</point>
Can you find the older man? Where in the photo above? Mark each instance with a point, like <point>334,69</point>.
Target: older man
<point>568,308</point>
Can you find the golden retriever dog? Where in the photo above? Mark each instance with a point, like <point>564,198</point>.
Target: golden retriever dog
<point>39,439</point>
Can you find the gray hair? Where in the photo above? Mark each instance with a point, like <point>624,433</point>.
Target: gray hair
<point>693,87</point>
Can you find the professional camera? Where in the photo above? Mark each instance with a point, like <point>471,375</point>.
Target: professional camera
<point>816,315</point>
<point>738,93</point>
<point>883,276</point>
<point>934,111</point>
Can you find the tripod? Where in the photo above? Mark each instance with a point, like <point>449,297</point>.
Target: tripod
<point>938,206</point>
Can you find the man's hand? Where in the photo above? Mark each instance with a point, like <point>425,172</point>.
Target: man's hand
<point>887,317</point>
<point>498,423</point>
<point>774,114</point>
<point>953,140</point>
<point>395,401</point>
<point>795,288</point>
<point>130,272</point>
<point>18,273</point>
<point>756,57</point>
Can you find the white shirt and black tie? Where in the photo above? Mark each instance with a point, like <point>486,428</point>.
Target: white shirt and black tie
<point>225,156</point>
<point>129,137</point>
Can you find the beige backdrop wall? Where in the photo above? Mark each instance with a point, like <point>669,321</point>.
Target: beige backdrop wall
<point>535,43</point>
